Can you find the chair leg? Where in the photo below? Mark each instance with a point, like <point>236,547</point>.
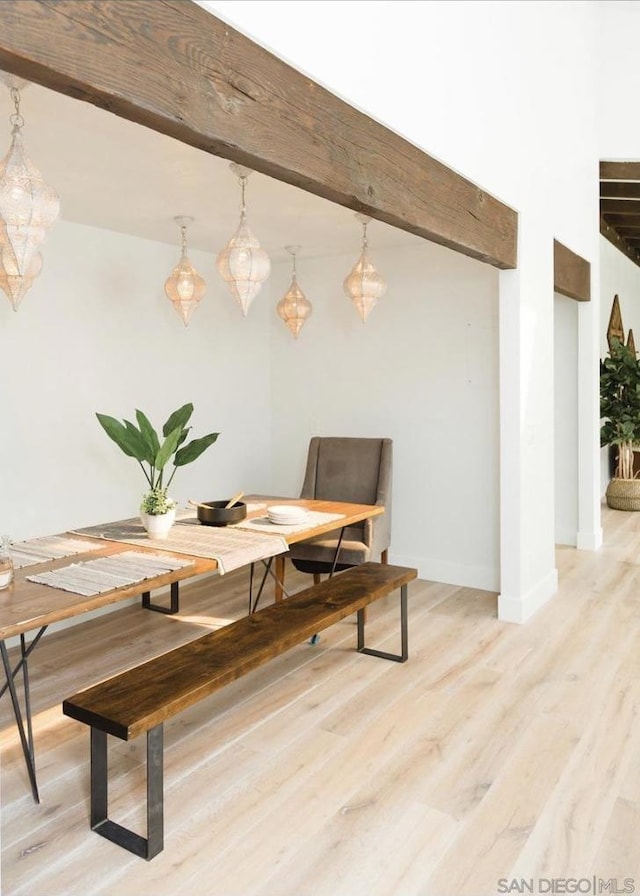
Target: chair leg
<point>317,578</point>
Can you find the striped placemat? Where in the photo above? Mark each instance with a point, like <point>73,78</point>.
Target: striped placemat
<point>93,577</point>
<point>51,547</point>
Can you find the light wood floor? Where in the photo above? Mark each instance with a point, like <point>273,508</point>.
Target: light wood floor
<point>497,751</point>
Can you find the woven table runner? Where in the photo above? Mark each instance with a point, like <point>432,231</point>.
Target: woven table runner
<point>93,577</point>
<point>228,546</point>
<point>264,524</point>
<point>52,547</point>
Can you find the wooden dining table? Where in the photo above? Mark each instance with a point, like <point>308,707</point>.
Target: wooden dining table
<point>30,607</point>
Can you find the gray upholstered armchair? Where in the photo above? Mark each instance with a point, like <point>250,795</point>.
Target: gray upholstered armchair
<point>347,469</point>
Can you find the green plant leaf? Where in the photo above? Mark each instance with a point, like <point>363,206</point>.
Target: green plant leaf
<point>183,435</point>
<point>167,449</point>
<point>138,440</point>
<point>619,396</point>
<point>149,435</point>
<point>194,449</point>
<point>124,437</point>
<point>179,419</point>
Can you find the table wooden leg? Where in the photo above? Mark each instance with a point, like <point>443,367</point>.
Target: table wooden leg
<point>280,561</point>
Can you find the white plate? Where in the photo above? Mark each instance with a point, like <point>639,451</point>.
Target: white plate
<point>284,515</point>
<point>287,510</point>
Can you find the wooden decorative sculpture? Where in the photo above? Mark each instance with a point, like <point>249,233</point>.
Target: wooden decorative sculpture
<point>615,328</point>
<point>630,342</point>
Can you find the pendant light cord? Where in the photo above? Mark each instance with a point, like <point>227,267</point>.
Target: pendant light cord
<point>16,119</point>
<point>243,204</point>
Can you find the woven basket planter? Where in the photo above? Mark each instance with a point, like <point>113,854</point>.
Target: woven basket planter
<point>624,494</point>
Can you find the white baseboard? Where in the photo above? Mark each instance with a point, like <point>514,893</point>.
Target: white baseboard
<point>433,570</point>
<point>589,540</point>
<point>519,609</point>
<point>567,537</point>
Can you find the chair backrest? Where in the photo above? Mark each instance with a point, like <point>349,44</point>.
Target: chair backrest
<point>348,469</point>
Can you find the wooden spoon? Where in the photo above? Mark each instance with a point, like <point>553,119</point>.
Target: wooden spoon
<point>208,506</point>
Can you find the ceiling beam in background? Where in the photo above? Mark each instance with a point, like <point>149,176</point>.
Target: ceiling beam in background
<point>571,273</point>
<point>610,233</point>
<point>622,221</point>
<point>620,206</point>
<point>627,232</point>
<point>175,68</point>
<point>619,170</point>
<point>620,189</point>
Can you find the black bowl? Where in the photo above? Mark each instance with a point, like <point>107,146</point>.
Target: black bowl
<point>215,513</point>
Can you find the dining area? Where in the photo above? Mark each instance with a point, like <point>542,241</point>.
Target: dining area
<point>99,566</point>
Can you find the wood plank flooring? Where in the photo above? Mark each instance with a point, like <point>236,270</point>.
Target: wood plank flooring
<point>497,752</point>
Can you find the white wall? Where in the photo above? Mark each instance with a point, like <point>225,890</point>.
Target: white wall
<point>565,365</point>
<point>423,370</point>
<point>96,333</point>
<point>617,64</point>
<point>502,92</point>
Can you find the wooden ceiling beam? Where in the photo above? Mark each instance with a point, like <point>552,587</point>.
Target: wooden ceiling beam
<point>620,189</point>
<point>611,234</point>
<point>618,221</point>
<point>619,170</point>
<point>627,232</point>
<point>620,206</point>
<point>571,273</point>
<point>173,67</point>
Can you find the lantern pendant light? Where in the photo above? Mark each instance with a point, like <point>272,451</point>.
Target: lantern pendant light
<point>28,207</point>
<point>184,287</point>
<point>14,285</point>
<point>243,264</point>
<point>364,285</point>
<point>294,307</point>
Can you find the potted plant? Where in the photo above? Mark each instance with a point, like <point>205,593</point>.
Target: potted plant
<point>144,444</point>
<point>620,413</point>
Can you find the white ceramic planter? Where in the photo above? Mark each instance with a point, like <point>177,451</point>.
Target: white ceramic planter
<point>158,525</point>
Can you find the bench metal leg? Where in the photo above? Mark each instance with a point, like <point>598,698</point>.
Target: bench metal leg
<point>145,847</point>
<point>171,609</point>
<point>404,633</point>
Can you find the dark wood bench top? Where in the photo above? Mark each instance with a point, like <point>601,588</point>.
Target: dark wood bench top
<point>133,702</point>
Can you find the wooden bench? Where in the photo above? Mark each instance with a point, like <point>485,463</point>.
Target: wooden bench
<point>139,700</point>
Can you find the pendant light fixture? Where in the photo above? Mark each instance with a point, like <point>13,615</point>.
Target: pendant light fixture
<point>294,307</point>
<point>364,285</point>
<point>184,287</point>
<point>243,264</point>
<point>14,285</point>
<point>28,207</point>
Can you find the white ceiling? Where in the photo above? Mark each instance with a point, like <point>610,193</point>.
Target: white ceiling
<point>121,176</point>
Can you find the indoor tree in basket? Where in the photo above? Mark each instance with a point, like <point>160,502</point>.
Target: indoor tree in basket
<point>620,414</point>
<point>143,443</point>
